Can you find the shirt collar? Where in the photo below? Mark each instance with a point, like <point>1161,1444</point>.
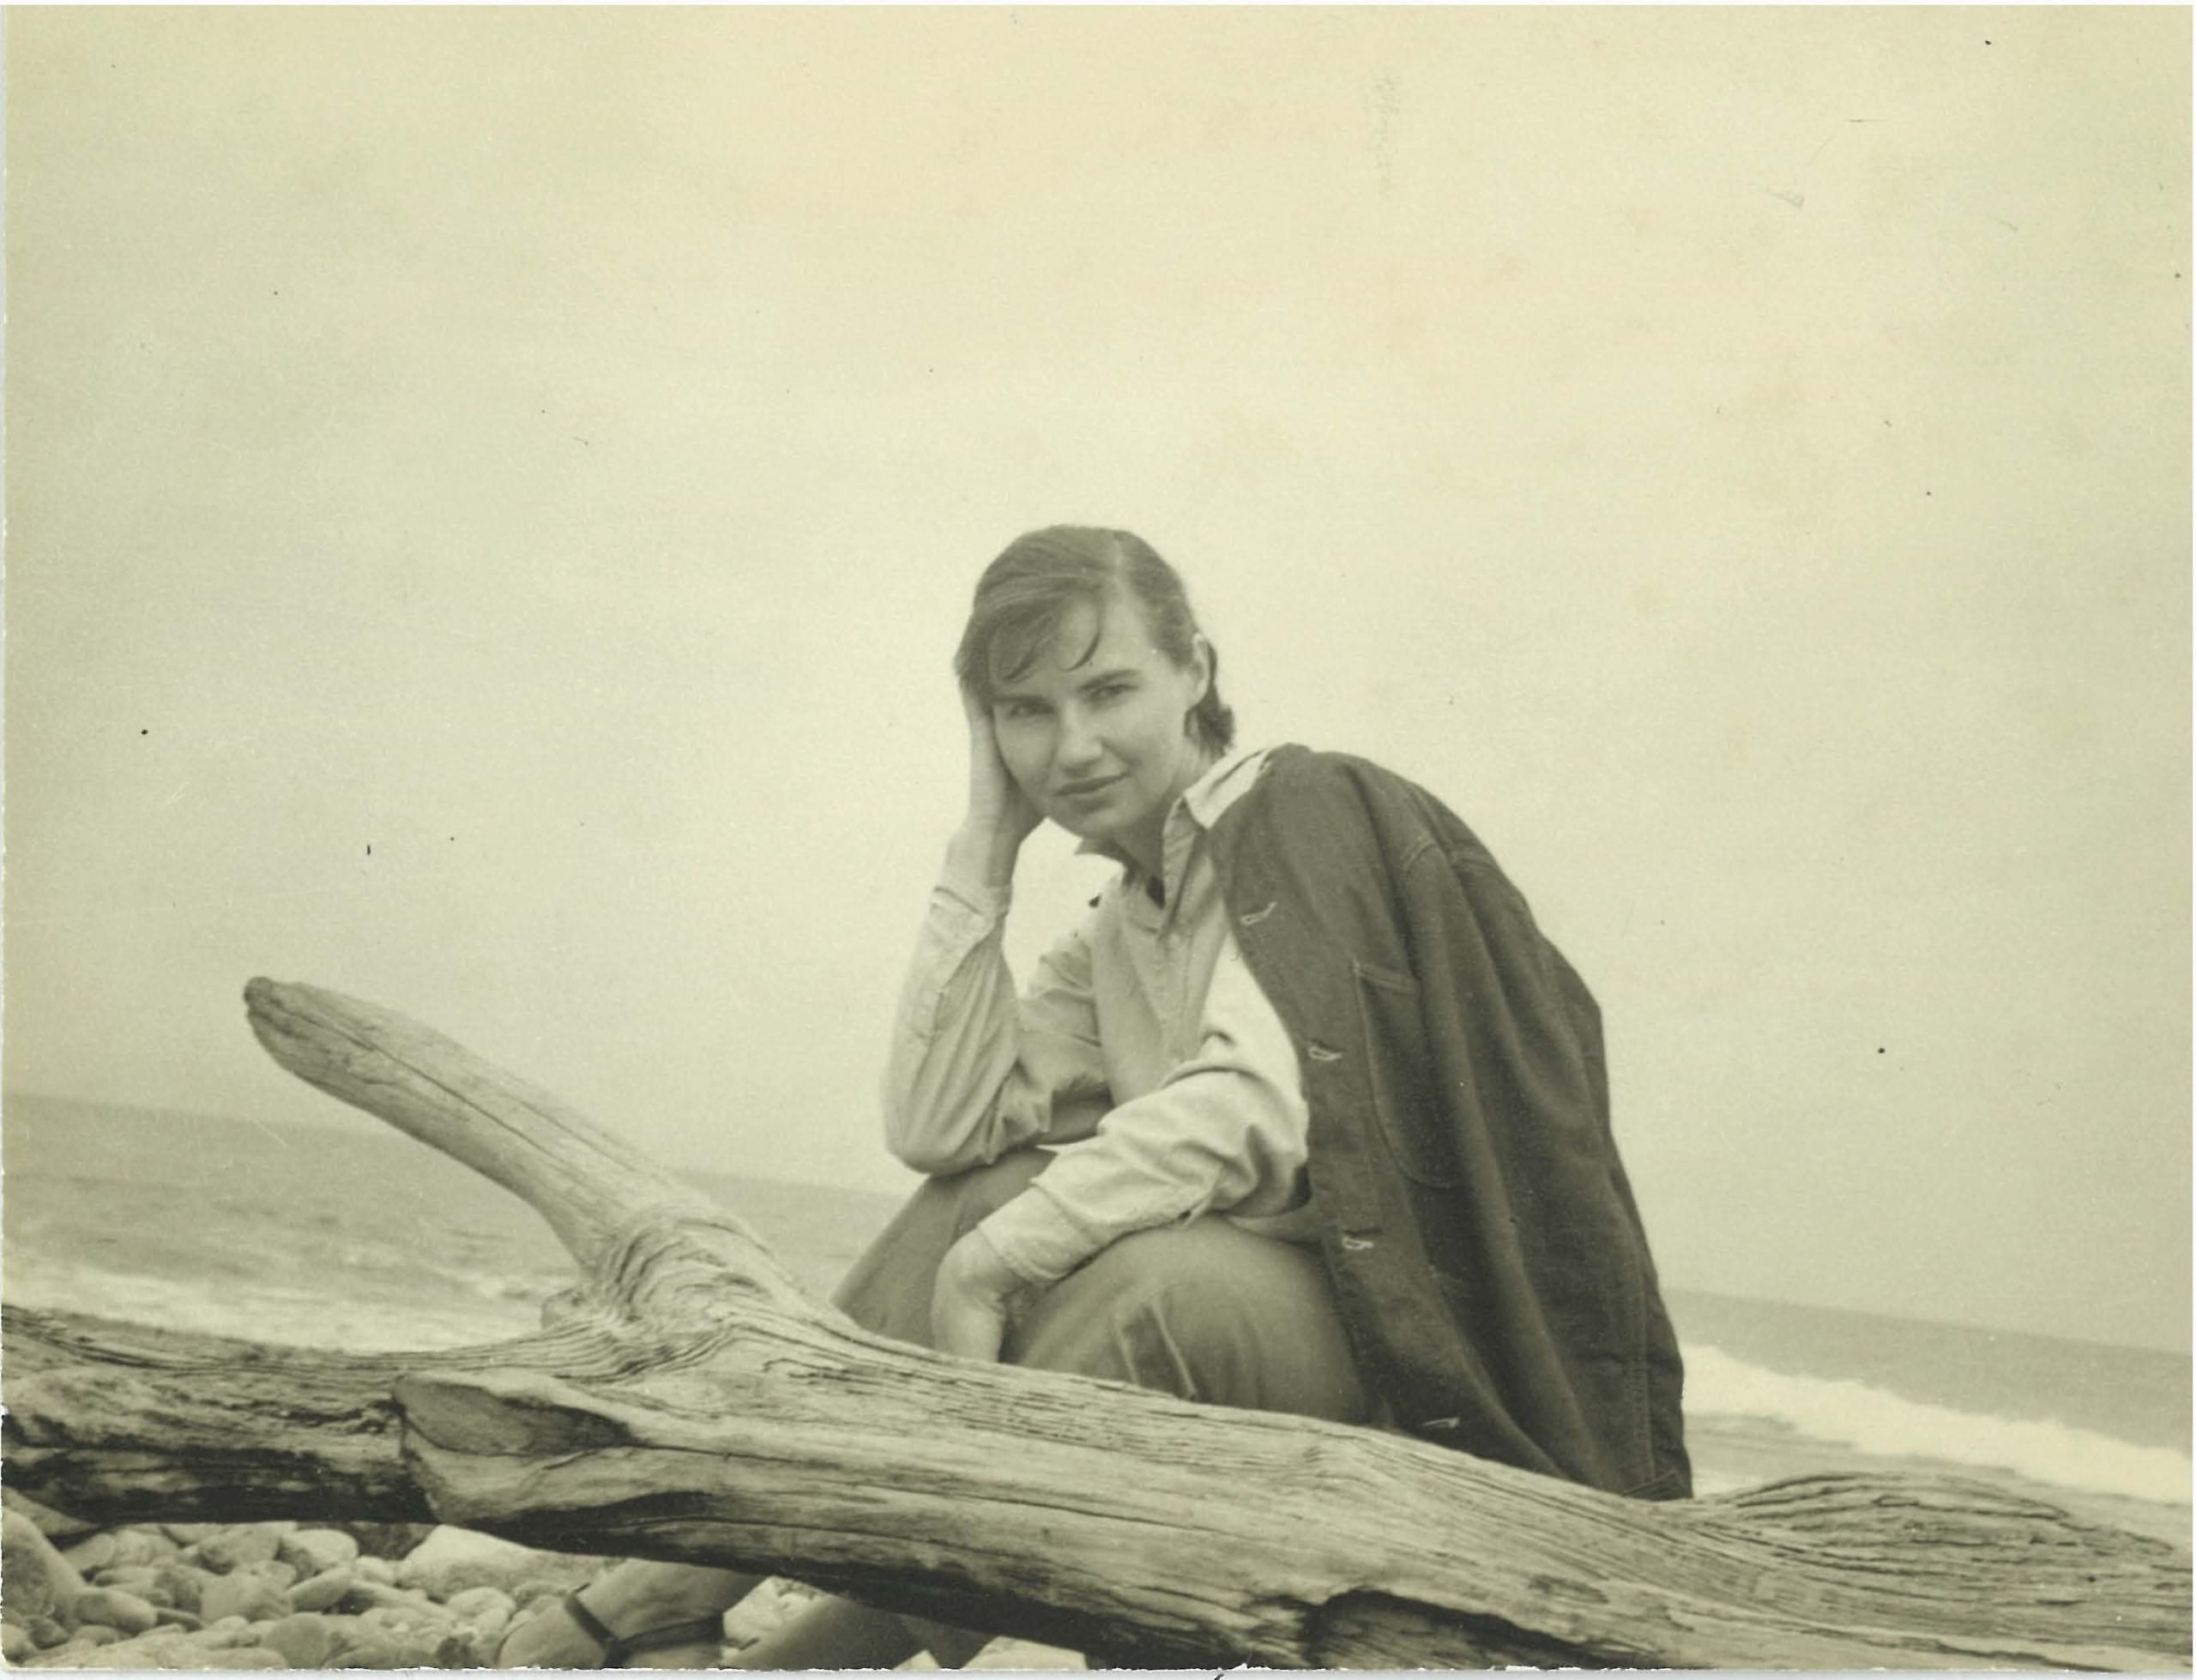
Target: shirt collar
<point>1209,796</point>
<point>1201,805</point>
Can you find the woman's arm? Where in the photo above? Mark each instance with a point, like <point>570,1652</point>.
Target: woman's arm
<point>1227,1130</point>
<point>973,1072</point>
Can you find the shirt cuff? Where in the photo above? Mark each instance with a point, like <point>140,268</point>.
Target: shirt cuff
<point>967,889</point>
<point>963,914</point>
<point>1038,1239</point>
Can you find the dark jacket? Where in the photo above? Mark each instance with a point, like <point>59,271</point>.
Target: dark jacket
<point>1482,1238</point>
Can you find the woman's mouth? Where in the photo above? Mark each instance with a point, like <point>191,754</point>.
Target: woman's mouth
<point>1088,789</point>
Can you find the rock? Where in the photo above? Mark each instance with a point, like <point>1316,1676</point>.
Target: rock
<point>468,1646</point>
<point>484,1617</point>
<point>182,1585</point>
<point>493,1621</point>
<point>331,1641</point>
<point>536,1587</point>
<point>141,1545</point>
<point>47,1632</point>
<point>450,1560</point>
<point>408,1622</point>
<point>385,1539</point>
<point>251,1656</point>
<point>95,1633</point>
<point>172,1618</point>
<point>142,1579</point>
<point>56,1526</point>
<point>93,1553</point>
<point>155,1650</point>
<point>763,1610</point>
<point>367,1595</point>
<point>229,1636</point>
<point>370,1568</point>
<point>40,1580</point>
<point>312,1551</point>
<point>169,1650</point>
<point>477,1602</point>
<point>16,1644</point>
<point>1023,1656</point>
<point>231,1548</point>
<point>188,1533</point>
<point>324,1591</point>
<point>304,1641</point>
<point>114,1608</point>
<point>368,1650</point>
<point>246,1593</point>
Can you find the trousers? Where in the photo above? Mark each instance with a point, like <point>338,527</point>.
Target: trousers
<point>1203,1309</point>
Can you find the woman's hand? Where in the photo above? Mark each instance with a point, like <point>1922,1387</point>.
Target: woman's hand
<point>967,1304</point>
<point>1000,816</point>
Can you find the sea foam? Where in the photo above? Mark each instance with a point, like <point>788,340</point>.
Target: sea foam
<point>300,1316</point>
<point>1877,1421</point>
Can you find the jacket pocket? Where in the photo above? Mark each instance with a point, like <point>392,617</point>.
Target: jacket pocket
<point>1399,1070</point>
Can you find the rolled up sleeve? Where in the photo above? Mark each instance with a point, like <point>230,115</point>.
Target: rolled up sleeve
<point>973,1070</point>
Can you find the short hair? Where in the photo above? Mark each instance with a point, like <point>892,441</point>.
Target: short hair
<point>1024,593</point>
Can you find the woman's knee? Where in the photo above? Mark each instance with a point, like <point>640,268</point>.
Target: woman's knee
<point>974,1195</point>
<point>888,1290</point>
<point>1205,1311</point>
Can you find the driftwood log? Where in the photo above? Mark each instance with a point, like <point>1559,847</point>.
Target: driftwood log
<point>691,1402</point>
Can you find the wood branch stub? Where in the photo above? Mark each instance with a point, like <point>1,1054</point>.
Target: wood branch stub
<point>647,1241</point>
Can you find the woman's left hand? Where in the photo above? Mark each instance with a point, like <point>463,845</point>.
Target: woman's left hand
<point>967,1304</point>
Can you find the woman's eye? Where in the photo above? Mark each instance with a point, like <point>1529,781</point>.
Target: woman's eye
<point>1110,691</point>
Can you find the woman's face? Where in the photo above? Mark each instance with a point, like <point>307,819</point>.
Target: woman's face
<point>1096,735</point>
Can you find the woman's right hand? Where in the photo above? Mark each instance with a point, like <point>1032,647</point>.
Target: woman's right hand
<point>1000,816</point>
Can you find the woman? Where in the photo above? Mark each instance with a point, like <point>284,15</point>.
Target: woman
<point>1307,1115</point>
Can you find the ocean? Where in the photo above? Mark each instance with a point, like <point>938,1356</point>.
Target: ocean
<point>359,1240</point>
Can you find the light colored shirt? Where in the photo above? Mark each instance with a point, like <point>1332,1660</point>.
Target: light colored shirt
<point>1142,1048</point>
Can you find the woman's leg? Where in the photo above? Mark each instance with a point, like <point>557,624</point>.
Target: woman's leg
<point>1205,1310</point>
<point>887,1291</point>
<point>835,1633</point>
<point>630,1600</point>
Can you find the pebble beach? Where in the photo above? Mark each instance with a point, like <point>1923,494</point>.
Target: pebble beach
<point>230,1597</point>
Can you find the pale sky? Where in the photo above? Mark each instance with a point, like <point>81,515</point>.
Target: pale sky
<point>493,494</point>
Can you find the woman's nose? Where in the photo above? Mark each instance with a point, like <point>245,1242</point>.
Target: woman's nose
<point>1078,742</point>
